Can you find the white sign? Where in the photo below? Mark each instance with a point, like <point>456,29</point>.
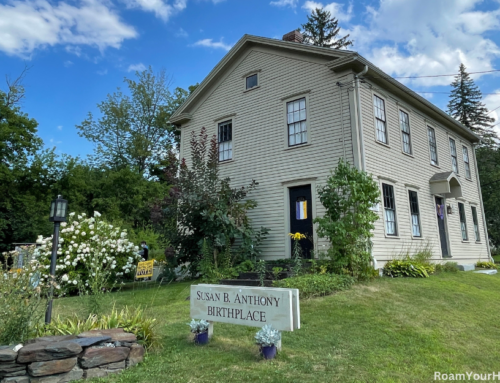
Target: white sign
<point>249,306</point>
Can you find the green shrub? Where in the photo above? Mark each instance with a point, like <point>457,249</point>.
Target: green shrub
<point>408,268</point>
<point>448,267</point>
<point>316,285</point>
<point>131,320</point>
<point>245,266</point>
<point>486,265</point>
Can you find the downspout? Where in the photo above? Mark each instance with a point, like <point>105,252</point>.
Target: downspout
<point>342,117</point>
<point>361,140</point>
<point>360,118</point>
<point>487,239</point>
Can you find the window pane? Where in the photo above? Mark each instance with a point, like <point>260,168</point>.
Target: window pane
<point>290,107</point>
<point>292,139</point>
<point>251,81</point>
<point>290,117</point>
<point>463,223</point>
<point>476,225</point>
<point>390,209</point>
<point>302,114</point>
<point>296,106</point>
<point>415,225</point>
<point>296,116</point>
<point>302,103</point>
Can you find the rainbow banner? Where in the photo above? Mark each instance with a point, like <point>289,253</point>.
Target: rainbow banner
<point>301,210</point>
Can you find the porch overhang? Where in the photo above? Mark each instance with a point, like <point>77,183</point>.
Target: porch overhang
<point>446,184</point>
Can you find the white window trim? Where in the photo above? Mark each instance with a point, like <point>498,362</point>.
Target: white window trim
<point>217,122</point>
<point>284,101</point>
<point>410,123</point>
<point>384,98</point>
<point>416,190</point>
<point>427,126</point>
<point>450,137</point>
<point>382,206</point>
<point>468,155</point>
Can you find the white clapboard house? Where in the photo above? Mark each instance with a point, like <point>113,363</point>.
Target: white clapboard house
<point>284,113</point>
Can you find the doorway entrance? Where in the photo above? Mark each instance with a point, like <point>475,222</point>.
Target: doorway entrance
<point>441,212</point>
<point>301,217</point>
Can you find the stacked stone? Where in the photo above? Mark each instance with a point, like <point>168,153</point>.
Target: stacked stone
<point>61,359</point>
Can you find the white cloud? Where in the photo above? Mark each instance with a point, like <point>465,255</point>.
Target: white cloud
<point>102,72</point>
<point>161,8</point>
<point>136,67</point>
<point>29,25</point>
<point>336,9</point>
<point>59,127</point>
<point>492,102</point>
<point>209,43</point>
<point>68,63</point>
<point>285,3</point>
<point>181,33</point>
<point>403,39</point>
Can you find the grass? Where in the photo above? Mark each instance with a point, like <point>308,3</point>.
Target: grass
<point>389,330</point>
<point>497,258</point>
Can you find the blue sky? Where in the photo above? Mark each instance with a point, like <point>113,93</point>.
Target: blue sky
<point>80,50</point>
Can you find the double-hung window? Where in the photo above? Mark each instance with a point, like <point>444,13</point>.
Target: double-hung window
<point>297,122</point>
<point>453,151</point>
<point>389,210</point>
<point>404,121</point>
<point>463,222</point>
<point>415,214</point>
<point>476,226</point>
<point>225,141</point>
<point>381,124</point>
<point>466,161</point>
<point>432,145</point>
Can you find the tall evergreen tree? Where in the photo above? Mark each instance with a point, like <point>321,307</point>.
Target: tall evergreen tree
<point>466,106</point>
<point>322,30</point>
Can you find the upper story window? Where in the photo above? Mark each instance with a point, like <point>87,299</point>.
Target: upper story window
<point>453,151</point>
<point>389,210</point>
<point>379,108</point>
<point>463,222</point>
<point>476,226</point>
<point>297,122</point>
<point>466,161</point>
<point>252,81</point>
<point>404,121</point>
<point>225,141</point>
<point>415,213</point>
<point>433,145</point>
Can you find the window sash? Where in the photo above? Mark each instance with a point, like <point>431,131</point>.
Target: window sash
<point>453,151</point>
<point>225,141</point>
<point>252,81</point>
<point>404,121</point>
<point>380,121</point>
<point>476,225</point>
<point>297,122</point>
<point>433,145</point>
<point>390,210</point>
<point>415,213</point>
<point>463,222</point>
<point>465,152</point>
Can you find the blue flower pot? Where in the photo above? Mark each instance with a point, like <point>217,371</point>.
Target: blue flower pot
<point>201,338</point>
<point>269,352</point>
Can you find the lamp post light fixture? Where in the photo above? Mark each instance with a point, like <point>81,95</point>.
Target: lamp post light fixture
<point>58,212</point>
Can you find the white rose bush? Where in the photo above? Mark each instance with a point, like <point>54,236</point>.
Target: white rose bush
<point>92,257</point>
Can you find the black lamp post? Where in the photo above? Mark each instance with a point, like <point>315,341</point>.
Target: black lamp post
<point>58,211</point>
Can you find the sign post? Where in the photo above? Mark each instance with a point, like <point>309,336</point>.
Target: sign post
<point>247,306</point>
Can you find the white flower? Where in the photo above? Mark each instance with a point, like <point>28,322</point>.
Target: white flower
<point>64,278</point>
<point>91,233</point>
<point>93,274</point>
<point>67,263</point>
<point>91,227</point>
<point>72,214</point>
<point>63,224</point>
<point>83,214</point>
<point>83,233</point>
<point>79,216</point>
<point>113,266</point>
<point>97,214</point>
<point>77,231</point>
<point>75,282</point>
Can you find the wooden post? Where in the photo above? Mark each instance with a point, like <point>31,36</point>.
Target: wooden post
<point>210,329</point>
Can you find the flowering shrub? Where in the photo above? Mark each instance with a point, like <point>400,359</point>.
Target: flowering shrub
<point>92,254</point>
<point>22,297</point>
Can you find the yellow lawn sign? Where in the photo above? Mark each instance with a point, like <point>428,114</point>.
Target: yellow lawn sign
<point>144,269</point>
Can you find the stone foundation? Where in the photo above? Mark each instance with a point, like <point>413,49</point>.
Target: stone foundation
<point>61,359</point>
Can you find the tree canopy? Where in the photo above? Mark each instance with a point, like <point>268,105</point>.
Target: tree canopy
<point>323,30</point>
<point>465,105</point>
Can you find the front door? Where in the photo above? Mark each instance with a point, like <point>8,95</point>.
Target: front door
<point>301,217</point>
<point>440,211</point>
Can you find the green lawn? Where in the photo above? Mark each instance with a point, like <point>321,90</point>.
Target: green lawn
<point>389,330</point>
<point>497,258</point>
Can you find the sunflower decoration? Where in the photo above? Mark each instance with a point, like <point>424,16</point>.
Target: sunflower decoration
<point>297,236</point>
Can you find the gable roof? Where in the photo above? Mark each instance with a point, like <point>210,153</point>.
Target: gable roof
<point>339,60</point>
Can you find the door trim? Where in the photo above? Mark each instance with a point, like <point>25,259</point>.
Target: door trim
<point>286,190</point>
<point>447,234</point>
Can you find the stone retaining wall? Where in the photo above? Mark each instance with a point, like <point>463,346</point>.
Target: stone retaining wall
<point>60,359</point>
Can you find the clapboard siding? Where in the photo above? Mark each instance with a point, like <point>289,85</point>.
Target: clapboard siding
<point>260,149</point>
<point>389,162</point>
